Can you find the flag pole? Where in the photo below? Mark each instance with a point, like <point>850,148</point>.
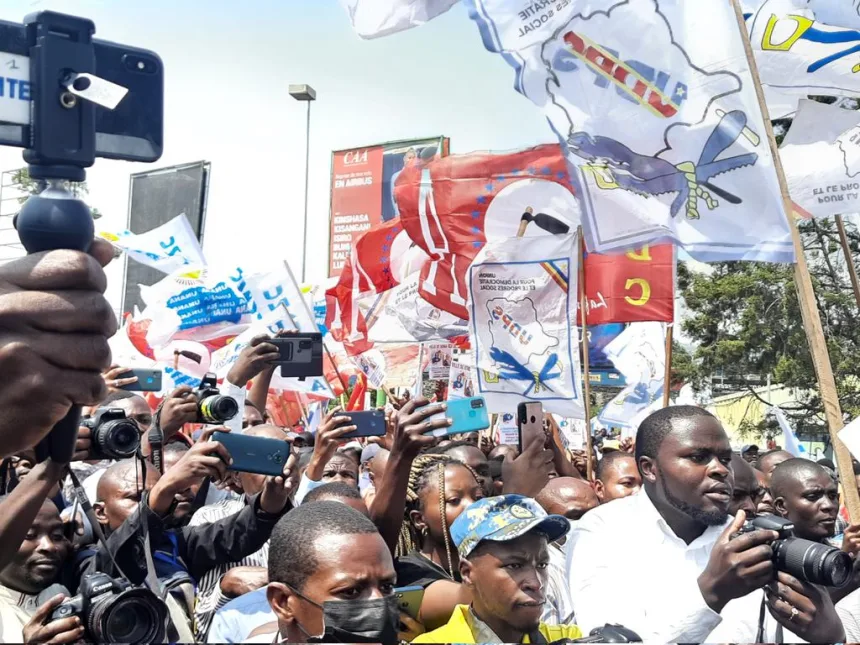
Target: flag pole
<point>586,375</point>
<point>667,378</point>
<point>419,379</point>
<point>808,306</point>
<point>336,369</point>
<point>849,258</point>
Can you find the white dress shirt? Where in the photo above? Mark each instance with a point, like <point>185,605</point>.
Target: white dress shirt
<point>848,610</point>
<point>558,609</point>
<point>626,566</point>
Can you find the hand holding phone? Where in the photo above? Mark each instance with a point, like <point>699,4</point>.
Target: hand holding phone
<point>529,472</point>
<point>368,423</point>
<point>259,455</point>
<point>409,600</point>
<point>466,415</point>
<point>300,355</point>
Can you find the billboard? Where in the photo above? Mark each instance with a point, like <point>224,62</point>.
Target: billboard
<point>361,189</point>
<point>156,197</point>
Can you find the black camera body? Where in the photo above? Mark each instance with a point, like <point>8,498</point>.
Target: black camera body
<point>809,561</point>
<point>212,406</point>
<point>113,611</point>
<point>114,435</point>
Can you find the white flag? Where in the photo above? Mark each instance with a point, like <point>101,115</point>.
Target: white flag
<point>166,248</point>
<point>789,439</point>
<point>639,353</point>
<point>836,12</point>
<point>664,131</point>
<point>375,18</point>
<point>821,158</point>
<point>523,303</point>
<point>797,55</point>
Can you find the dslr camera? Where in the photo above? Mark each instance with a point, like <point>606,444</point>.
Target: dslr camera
<point>114,435</point>
<point>213,407</point>
<point>113,611</point>
<point>813,562</point>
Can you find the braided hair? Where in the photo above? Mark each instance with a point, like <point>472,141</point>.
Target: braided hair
<point>427,469</point>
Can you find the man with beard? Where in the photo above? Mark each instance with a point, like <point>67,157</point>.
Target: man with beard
<point>688,579</point>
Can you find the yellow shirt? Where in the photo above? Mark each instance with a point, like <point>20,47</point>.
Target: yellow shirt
<point>460,630</point>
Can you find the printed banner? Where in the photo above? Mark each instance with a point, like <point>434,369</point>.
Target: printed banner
<point>441,355</point>
<point>507,431</point>
<point>697,162</point>
<point>821,158</point>
<point>796,54</point>
<point>461,383</point>
<point>522,294</point>
<point>845,13</point>
<point>572,432</point>
<point>362,194</point>
<point>640,355</point>
<point>166,248</point>
<point>375,18</point>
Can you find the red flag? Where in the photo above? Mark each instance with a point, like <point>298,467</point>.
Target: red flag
<point>451,206</point>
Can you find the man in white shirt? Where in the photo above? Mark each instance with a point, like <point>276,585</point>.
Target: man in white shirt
<point>670,548</point>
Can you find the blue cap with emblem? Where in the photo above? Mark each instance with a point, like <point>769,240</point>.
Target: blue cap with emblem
<point>504,518</point>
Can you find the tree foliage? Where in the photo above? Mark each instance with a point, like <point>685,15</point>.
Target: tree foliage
<point>31,186</point>
<point>745,320</point>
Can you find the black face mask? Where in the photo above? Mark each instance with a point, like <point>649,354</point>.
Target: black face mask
<point>356,621</point>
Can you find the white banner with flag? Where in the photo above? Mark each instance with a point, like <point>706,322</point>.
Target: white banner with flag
<point>836,12</point>
<point>375,18</point>
<point>821,158</point>
<point>697,162</point>
<point>789,438</point>
<point>797,54</point>
<point>166,248</point>
<point>523,296</point>
<point>639,353</point>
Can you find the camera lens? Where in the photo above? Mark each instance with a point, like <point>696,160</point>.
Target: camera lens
<point>218,408</point>
<point>812,562</point>
<point>134,616</point>
<point>117,439</point>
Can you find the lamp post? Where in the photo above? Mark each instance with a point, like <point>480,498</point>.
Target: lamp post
<point>308,94</point>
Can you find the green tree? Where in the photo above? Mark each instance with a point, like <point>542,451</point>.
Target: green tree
<point>746,323</point>
<point>31,186</point>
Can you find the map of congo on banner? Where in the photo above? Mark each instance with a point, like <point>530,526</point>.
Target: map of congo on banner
<point>697,162</point>
<point>523,294</point>
<point>166,248</point>
<point>795,54</point>
<point>821,158</point>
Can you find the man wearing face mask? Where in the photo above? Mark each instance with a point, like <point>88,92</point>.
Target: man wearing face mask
<point>331,578</point>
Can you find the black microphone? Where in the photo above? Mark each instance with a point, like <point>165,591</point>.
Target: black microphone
<point>50,592</point>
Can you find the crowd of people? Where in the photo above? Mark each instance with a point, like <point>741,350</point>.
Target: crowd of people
<point>407,538</point>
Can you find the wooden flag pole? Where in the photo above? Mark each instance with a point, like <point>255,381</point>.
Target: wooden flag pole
<point>667,378</point>
<point>808,306</point>
<point>586,375</point>
<point>849,258</point>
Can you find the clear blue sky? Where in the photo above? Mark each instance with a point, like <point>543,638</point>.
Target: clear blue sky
<point>228,65</point>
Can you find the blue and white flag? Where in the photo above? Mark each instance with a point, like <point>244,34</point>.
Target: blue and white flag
<point>639,353</point>
<point>798,53</point>
<point>166,248</point>
<point>376,18</point>
<point>656,109</point>
<point>789,440</point>
<point>522,328</point>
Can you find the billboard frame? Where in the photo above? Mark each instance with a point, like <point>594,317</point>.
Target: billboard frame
<point>204,206</point>
<point>398,143</point>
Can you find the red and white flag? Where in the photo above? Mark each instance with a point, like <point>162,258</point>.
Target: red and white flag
<point>451,206</point>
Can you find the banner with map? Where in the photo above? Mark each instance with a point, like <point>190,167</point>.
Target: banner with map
<point>663,132</point>
<point>523,305</point>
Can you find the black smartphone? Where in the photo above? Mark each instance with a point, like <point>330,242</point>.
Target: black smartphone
<point>301,354</point>
<point>134,130</point>
<point>259,455</point>
<point>147,381</point>
<point>369,423</point>
<point>529,423</point>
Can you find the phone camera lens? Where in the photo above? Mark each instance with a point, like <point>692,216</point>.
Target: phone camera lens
<point>533,419</point>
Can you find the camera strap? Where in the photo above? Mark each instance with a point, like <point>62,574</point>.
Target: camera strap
<point>156,441</point>
<point>87,509</point>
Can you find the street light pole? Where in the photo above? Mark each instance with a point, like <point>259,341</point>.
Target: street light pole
<point>307,94</point>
